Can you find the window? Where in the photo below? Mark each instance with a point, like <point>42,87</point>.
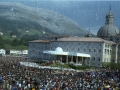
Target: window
<point>94,50</point>
<point>33,51</point>
<point>33,45</point>
<point>111,39</point>
<point>110,51</point>
<point>105,45</point>
<point>89,50</point>
<point>99,50</point>
<point>117,39</point>
<point>105,51</point>
<point>113,60</point>
<point>84,50</point>
<point>98,59</point>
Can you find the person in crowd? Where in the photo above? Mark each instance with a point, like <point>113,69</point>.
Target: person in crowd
<point>14,76</point>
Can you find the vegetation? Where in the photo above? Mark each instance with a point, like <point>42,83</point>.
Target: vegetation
<point>61,65</point>
<point>64,65</point>
<point>79,67</point>
<point>23,29</point>
<point>13,43</point>
<point>111,65</point>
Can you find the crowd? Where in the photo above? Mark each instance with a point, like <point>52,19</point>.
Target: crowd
<point>14,76</point>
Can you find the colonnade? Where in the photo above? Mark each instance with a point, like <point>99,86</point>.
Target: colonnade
<point>79,60</point>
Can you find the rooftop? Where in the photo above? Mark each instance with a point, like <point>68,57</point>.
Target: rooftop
<point>43,41</point>
<point>85,39</point>
<point>73,39</point>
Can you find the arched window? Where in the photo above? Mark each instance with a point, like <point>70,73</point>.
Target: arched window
<point>105,51</point>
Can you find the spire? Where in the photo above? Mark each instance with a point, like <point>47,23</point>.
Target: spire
<point>109,17</point>
<point>89,33</point>
<point>110,11</point>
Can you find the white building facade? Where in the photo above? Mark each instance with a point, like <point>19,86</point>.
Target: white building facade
<point>98,49</point>
<point>2,52</point>
<point>17,52</point>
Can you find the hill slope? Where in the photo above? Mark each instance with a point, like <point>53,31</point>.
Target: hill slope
<point>21,20</point>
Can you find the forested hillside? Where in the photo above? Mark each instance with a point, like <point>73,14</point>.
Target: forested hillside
<point>13,43</point>
<point>24,21</point>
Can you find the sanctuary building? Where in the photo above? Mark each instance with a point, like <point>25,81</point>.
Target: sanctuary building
<point>91,51</point>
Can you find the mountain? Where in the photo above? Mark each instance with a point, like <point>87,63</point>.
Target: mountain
<point>21,20</point>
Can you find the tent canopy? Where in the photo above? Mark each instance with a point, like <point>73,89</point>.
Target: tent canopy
<point>59,51</point>
<point>55,52</point>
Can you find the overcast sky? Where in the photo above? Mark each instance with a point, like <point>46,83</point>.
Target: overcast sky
<point>88,13</point>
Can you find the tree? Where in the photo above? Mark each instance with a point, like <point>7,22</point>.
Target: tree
<point>15,42</point>
<point>11,34</point>
<point>1,42</point>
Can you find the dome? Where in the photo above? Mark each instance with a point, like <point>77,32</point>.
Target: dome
<point>108,30</point>
<point>59,49</point>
